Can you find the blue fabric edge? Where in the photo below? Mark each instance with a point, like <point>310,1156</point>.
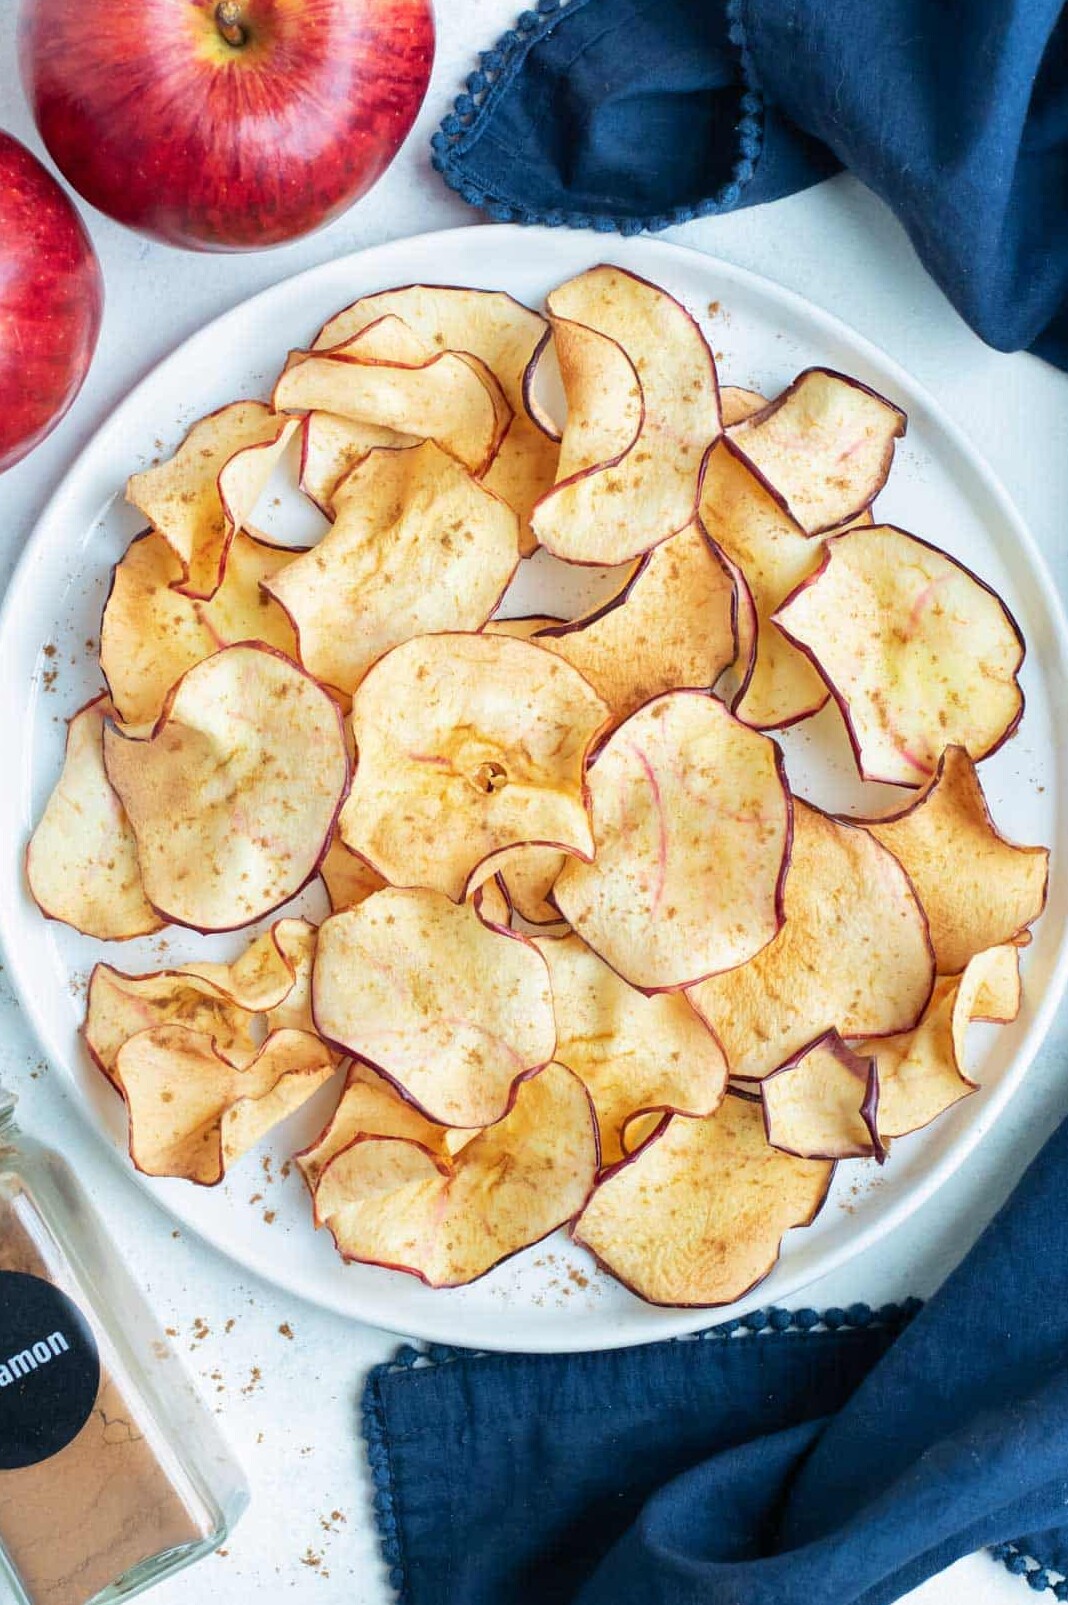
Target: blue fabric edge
<point>460,129</point>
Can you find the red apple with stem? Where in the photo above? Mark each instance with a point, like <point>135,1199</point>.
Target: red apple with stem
<point>51,301</point>
<point>225,125</point>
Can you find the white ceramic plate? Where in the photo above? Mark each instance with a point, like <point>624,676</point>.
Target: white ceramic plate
<point>552,1297</point>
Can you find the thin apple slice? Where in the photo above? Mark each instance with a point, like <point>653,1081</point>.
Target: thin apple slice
<point>369,1106</point>
<point>736,404</point>
<point>491,903</point>
<point>522,629</point>
<point>697,1215</point>
<point>452,1010</point>
<point>348,880</point>
<point>418,546</point>
<point>978,889</point>
<point>264,975</point>
<point>826,444</point>
<point>853,953</point>
<point>81,862</point>
<point>233,794</point>
<point>332,446</point>
<point>527,876</point>
<point>750,525</point>
<point>199,498</point>
<point>918,652</point>
<point>823,1103</point>
<point>450,1219</point>
<point>633,1053</point>
<point>467,744</point>
<point>632,447</point>
<point>691,820</point>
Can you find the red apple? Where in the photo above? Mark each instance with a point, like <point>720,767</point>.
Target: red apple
<point>225,126</point>
<point>51,302</point>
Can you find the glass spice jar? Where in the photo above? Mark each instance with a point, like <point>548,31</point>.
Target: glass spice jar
<point>112,1473</point>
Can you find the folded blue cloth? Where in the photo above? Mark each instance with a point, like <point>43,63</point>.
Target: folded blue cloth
<point>632,114</point>
<point>780,1460</point>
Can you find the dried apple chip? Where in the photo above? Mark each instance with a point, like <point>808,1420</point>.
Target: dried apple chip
<point>634,1053</point>
<point>823,1103</point>
<point>119,1006</point>
<point>369,1106</point>
<point>348,880</point>
<point>233,795</point>
<point>452,1010</point>
<point>697,1215</point>
<point>81,862</point>
<point>691,820</point>
<point>467,744</point>
<point>331,446</point>
<point>737,404</point>
<point>853,953</point>
<point>522,629</point>
<point>527,876</point>
<point>826,444</point>
<point>631,451</point>
<point>919,654</point>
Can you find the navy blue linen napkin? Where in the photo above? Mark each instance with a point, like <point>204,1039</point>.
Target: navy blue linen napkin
<point>632,114</point>
<point>779,1460</point>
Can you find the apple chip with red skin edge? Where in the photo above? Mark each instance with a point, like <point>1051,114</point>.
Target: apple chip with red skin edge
<point>978,889</point>
<point>491,902</point>
<point>418,546</point>
<point>823,1103</point>
<point>369,1106</point>
<point>691,821</point>
<point>199,498</point>
<point>524,629</point>
<point>749,524</point>
<point>697,1215</point>
<point>449,1220</point>
<point>853,953</point>
<point>81,862</point>
<point>631,452</point>
<point>348,880</point>
<point>918,652</point>
<point>454,1011</point>
<point>332,446</point>
<point>634,1053</point>
<point>736,404</point>
<point>527,876</point>
<point>826,444</point>
<point>467,744</point>
<point>233,795</point>
<point>152,632</point>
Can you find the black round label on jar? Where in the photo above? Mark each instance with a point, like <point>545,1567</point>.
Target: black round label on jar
<point>49,1370</point>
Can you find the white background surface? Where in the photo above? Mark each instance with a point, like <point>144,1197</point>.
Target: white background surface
<point>290,1404</point>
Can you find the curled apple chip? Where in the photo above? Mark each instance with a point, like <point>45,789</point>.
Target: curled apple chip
<point>409,1204</point>
<point>633,1053</point>
<point>522,629</point>
<point>631,451</point>
<point>199,498</point>
<point>697,1215</point>
<point>691,821</point>
<point>348,880</point>
<point>193,1114</point>
<point>978,889</point>
<point>467,744</point>
<point>452,1010</point>
<point>823,1103</point>
<point>417,546</point>
<point>152,632</point>
<point>81,862</point>
<point>491,903</point>
<point>736,404</point>
<point>749,524</point>
<point>369,1107</point>
<point>233,794</point>
<point>826,444</point>
<point>527,876</point>
<point>853,953</point>
<point>919,654</point>
<point>332,446</point>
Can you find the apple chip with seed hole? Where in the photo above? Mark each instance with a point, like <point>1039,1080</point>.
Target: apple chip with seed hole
<point>410,1204</point>
<point>823,1103</point>
<point>697,1215</point>
<point>527,875</point>
<point>634,1053</point>
<point>82,863</point>
<point>467,744</point>
<point>978,890</point>
<point>691,820</point>
<point>853,953</point>
<point>152,632</point>
<point>453,1011</point>
<point>418,546</point>
<point>736,404</point>
<point>773,554</point>
<point>234,793</point>
<point>199,498</point>
<point>826,444</point>
<point>348,880</point>
<point>632,446</point>
<point>919,654</point>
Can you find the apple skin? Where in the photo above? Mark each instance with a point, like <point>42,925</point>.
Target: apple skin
<point>159,121</point>
<point>51,301</point>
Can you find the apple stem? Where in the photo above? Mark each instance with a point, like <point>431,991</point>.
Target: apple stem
<point>228,22</point>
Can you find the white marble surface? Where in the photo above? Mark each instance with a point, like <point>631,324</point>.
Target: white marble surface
<point>290,1402</point>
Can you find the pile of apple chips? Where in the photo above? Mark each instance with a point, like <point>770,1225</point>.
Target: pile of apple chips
<point>591,961</point>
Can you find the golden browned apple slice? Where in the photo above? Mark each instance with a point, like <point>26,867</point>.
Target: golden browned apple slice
<point>522,629</point>
<point>348,880</point>
<point>527,876</point>
<point>737,404</point>
<point>331,446</point>
<point>823,1103</point>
